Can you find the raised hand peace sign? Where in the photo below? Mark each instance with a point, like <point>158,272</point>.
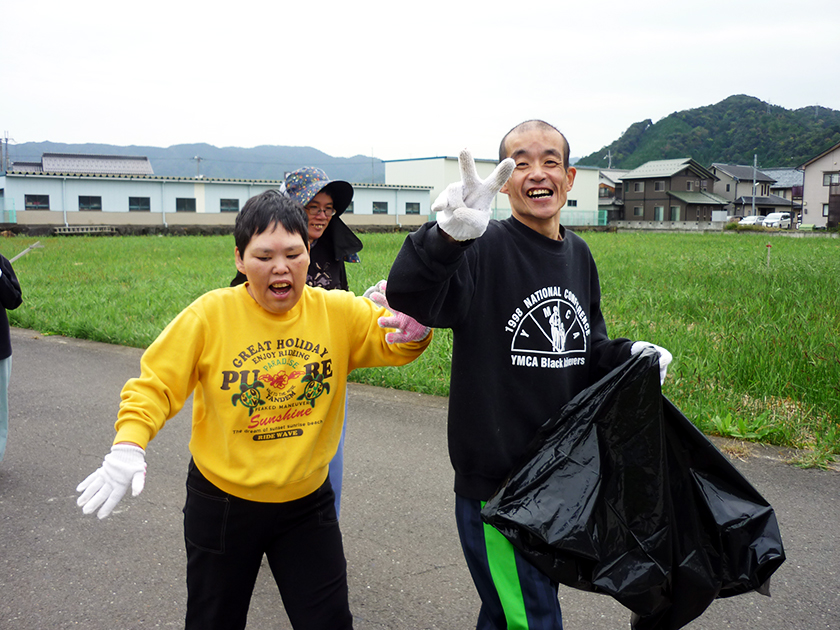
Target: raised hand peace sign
<point>464,207</point>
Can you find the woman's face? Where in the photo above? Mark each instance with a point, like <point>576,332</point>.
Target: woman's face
<point>319,211</point>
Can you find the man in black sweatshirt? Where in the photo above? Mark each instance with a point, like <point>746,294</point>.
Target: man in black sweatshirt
<point>523,300</point>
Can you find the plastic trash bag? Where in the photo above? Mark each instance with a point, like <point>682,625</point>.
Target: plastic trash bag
<point>623,495</point>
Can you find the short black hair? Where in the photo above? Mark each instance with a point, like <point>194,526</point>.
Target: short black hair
<point>265,210</point>
<point>535,123</point>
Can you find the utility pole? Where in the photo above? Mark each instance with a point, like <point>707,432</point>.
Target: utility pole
<point>4,156</point>
<point>755,165</point>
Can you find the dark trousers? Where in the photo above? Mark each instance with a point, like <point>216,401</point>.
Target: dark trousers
<point>515,595</point>
<point>226,538</point>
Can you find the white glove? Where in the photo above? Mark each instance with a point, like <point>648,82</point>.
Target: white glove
<point>464,207</point>
<point>664,356</point>
<point>407,328</point>
<point>125,465</point>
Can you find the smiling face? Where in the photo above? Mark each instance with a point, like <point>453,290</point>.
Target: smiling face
<point>539,184</point>
<point>275,262</point>
<point>319,211</point>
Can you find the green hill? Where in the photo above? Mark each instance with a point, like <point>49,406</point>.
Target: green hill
<point>731,132</point>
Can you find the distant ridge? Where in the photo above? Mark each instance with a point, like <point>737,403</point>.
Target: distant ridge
<point>731,132</point>
<point>263,162</point>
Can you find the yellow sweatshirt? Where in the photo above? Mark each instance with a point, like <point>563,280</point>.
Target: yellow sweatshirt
<point>269,390</point>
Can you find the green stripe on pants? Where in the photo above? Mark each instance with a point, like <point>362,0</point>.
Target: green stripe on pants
<point>502,563</point>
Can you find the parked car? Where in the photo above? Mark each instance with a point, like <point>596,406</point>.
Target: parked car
<point>751,220</point>
<point>777,220</point>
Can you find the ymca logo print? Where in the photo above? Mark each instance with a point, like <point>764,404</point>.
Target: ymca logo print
<point>550,329</point>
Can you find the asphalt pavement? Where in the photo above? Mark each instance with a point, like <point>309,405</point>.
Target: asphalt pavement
<point>60,569</point>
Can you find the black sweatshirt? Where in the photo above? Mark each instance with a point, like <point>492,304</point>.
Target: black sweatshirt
<point>528,336</point>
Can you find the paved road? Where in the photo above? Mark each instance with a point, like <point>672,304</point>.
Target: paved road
<point>60,569</point>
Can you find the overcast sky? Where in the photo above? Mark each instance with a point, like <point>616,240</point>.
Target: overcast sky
<point>397,79</point>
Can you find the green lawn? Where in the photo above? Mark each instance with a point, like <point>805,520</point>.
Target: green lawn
<point>754,338</point>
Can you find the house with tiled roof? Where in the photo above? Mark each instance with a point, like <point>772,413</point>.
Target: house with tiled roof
<point>672,190</point>
<point>788,185</point>
<point>610,192</point>
<point>748,190</point>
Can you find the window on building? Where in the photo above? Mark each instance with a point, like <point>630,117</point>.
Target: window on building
<point>689,186</point>
<point>349,209</point>
<point>638,211</point>
<point>412,207</point>
<point>727,188</point>
<point>380,207</point>
<point>571,203</point>
<point>36,202</point>
<point>675,213</point>
<point>139,204</point>
<point>659,186</point>
<point>825,209</point>
<point>228,205</point>
<point>90,203</point>
<point>638,187</point>
<point>830,179</point>
<point>185,204</point>
<point>605,192</point>
<point>658,213</point>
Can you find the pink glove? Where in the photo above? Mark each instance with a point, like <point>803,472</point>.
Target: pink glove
<point>408,328</point>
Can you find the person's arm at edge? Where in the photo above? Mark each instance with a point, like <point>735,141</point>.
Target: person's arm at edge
<point>10,294</point>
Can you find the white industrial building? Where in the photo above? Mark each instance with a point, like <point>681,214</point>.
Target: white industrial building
<point>67,191</point>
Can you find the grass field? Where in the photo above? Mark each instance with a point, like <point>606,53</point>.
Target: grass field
<point>754,337</point>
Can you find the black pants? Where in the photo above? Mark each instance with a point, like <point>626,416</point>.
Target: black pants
<point>226,538</point>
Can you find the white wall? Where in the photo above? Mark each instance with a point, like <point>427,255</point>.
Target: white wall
<point>585,193</point>
<point>814,195</point>
<point>438,173</point>
<point>396,197</point>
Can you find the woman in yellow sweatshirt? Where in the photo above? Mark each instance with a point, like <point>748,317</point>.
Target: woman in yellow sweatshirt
<point>267,364</point>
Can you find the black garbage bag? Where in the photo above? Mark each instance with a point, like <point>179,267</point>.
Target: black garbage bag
<point>623,495</point>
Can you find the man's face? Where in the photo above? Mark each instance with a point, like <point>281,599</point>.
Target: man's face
<point>538,186</point>
<point>319,211</point>
<point>276,263</point>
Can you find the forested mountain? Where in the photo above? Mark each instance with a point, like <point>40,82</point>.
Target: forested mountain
<point>731,132</point>
<point>264,162</point>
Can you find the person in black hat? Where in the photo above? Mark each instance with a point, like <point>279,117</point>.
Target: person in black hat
<point>331,244</point>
